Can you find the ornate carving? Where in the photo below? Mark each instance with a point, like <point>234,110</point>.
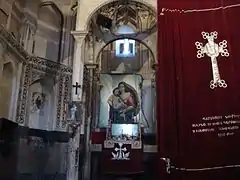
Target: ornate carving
<point>22,113</point>
<point>66,90</point>
<point>33,68</point>
<point>59,101</point>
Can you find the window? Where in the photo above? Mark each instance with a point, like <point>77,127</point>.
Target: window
<point>125,47</point>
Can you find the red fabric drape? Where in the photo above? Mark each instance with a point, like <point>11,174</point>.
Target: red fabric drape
<point>194,4</point>
<point>184,95</point>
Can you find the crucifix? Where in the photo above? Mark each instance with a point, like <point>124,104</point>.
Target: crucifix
<point>76,86</point>
<point>212,50</point>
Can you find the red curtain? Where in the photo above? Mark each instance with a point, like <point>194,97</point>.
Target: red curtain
<point>185,98</point>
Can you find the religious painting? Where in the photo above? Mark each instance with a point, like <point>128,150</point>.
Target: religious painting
<point>123,104</point>
<point>74,111</point>
<point>120,100</point>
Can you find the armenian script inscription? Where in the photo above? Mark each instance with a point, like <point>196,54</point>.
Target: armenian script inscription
<point>222,126</point>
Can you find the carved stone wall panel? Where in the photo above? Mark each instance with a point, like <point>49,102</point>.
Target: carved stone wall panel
<point>21,114</point>
<point>33,69</point>
<point>65,90</point>
<point>59,101</point>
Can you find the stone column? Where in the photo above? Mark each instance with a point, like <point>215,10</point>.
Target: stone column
<point>90,48</point>
<point>73,147</point>
<point>77,77</point>
<point>2,49</point>
<point>87,160</point>
<point>78,64</point>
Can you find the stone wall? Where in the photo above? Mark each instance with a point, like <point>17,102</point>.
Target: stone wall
<point>30,154</point>
<point>43,28</point>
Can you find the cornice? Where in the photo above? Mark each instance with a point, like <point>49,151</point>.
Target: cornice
<point>79,35</point>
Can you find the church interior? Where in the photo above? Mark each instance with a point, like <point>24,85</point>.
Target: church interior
<point>119,90</point>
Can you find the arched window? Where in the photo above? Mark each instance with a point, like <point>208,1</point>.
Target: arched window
<point>125,47</point>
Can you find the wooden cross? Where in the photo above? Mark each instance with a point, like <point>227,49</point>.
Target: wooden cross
<point>76,86</point>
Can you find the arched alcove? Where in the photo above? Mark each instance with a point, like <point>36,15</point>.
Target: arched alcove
<point>140,62</point>
<point>41,104</point>
<point>49,32</point>
<point>6,87</point>
<point>136,70</point>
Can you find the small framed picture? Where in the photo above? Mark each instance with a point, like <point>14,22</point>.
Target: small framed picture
<point>74,111</point>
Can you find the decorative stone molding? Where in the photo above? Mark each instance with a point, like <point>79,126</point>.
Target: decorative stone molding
<point>79,35</point>
<point>23,95</point>
<point>91,65</point>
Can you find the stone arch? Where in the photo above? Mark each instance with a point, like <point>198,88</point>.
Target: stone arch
<point>142,42</point>
<point>41,104</point>
<point>94,10</point>
<point>56,36</point>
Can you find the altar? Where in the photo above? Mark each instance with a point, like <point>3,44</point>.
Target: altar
<point>121,149</point>
<point>123,120</point>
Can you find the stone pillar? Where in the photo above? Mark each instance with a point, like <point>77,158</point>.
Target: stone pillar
<point>2,49</point>
<point>79,22</point>
<point>90,48</point>
<point>87,160</point>
<point>78,64</point>
<point>77,77</point>
<point>73,161</point>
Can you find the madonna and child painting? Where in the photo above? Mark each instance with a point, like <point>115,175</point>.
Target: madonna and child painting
<point>123,104</point>
<point>120,99</point>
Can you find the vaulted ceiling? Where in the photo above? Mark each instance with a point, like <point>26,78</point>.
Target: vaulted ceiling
<point>134,14</point>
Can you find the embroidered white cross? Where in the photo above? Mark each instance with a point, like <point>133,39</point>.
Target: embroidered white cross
<point>121,154</point>
<point>212,50</point>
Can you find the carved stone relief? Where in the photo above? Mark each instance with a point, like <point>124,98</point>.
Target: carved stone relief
<point>32,69</point>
